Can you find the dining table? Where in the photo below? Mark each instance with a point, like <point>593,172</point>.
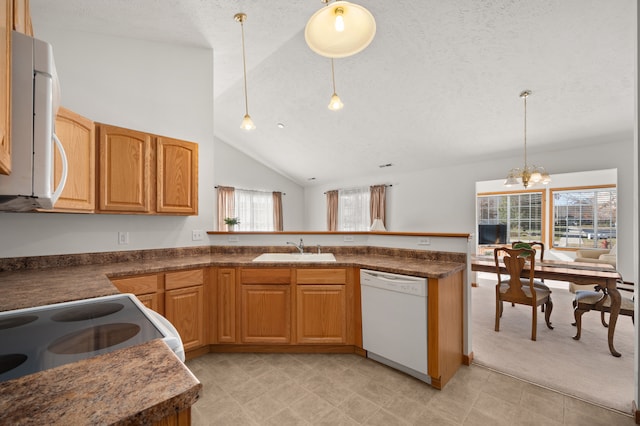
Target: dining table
<point>603,275</point>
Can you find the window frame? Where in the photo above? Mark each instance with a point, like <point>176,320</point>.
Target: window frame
<point>587,188</point>
<point>543,215</point>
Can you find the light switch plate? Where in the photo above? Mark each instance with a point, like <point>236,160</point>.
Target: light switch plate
<point>197,235</point>
<point>123,238</point>
<point>348,238</point>
<point>424,241</point>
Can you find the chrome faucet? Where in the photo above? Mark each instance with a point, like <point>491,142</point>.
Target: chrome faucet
<point>300,246</point>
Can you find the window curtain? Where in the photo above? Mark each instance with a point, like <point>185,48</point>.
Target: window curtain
<point>332,210</point>
<point>277,211</point>
<point>378,203</point>
<point>254,210</point>
<point>226,205</point>
<point>353,209</point>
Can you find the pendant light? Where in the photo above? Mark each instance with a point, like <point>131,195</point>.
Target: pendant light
<point>527,175</point>
<point>340,29</point>
<point>247,123</point>
<point>335,104</point>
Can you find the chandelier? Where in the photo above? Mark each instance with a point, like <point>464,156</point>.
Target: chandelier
<point>527,175</point>
<point>339,30</point>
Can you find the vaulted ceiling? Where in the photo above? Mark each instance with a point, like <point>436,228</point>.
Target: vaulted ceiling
<point>438,85</point>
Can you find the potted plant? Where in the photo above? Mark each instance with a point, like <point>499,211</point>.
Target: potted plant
<point>231,222</point>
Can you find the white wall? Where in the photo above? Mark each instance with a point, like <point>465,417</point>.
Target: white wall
<point>233,168</point>
<point>443,200</point>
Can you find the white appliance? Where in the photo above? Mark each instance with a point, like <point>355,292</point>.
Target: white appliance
<point>394,321</point>
<point>43,337</point>
<point>35,99</point>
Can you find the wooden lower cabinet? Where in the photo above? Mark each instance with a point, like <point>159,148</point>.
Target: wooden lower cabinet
<point>321,314</point>
<point>147,288</point>
<point>179,296</point>
<point>184,307</point>
<point>226,309</point>
<point>266,313</point>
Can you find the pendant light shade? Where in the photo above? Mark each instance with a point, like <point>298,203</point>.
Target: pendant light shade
<point>340,29</point>
<point>247,122</point>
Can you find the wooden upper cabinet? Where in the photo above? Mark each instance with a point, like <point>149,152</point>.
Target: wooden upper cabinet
<point>124,176</point>
<point>6,22</point>
<point>76,133</point>
<point>177,176</point>
<point>22,17</point>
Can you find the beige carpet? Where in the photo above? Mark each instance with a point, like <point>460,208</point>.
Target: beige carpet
<point>584,369</point>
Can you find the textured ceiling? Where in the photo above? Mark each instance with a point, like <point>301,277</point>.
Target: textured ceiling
<point>438,85</point>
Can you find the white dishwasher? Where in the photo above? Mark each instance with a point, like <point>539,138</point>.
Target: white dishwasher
<point>394,321</point>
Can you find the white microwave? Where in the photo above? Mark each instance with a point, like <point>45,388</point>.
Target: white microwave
<point>35,99</point>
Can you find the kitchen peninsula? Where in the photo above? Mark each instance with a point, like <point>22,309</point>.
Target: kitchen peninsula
<point>72,277</point>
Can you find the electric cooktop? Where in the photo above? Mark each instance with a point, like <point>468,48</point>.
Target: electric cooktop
<point>36,339</point>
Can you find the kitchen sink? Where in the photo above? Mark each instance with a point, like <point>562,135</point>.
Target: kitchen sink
<point>295,257</point>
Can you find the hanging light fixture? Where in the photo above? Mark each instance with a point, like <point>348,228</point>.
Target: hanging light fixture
<point>335,103</point>
<point>339,30</point>
<point>247,122</point>
<point>528,175</point>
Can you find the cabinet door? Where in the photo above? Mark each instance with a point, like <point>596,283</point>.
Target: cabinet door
<point>147,288</point>
<point>6,25</point>
<point>124,179</point>
<point>321,314</point>
<point>226,300</point>
<point>76,133</point>
<point>184,307</point>
<point>177,176</point>
<point>150,301</point>
<point>22,17</point>
<point>266,313</point>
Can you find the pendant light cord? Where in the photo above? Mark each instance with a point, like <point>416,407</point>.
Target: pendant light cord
<point>524,95</point>
<point>333,77</point>
<point>244,69</point>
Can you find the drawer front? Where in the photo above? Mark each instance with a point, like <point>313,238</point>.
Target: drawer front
<point>144,284</point>
<point>266,276</point>
<point>321,276</point>
<point>182,279</point>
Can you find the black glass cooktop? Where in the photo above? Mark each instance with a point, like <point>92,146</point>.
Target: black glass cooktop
<point>37,339</point>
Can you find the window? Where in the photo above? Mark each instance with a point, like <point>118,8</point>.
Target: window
<point>584,217</point>
<point>353,209</point>
<point>254,210</point>
<point>503,218</point>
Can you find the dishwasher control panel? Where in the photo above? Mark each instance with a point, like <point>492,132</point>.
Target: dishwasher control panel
<point>393,282</point>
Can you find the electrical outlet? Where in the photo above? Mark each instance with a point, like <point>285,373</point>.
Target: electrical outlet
<point>348,238</point>
<point>234,238</point>
<point>123,238</point>
<point>424,241</point>
<point>197,235</point>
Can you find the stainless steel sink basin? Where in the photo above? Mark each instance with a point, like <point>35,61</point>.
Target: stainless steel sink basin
<point>295,257</point>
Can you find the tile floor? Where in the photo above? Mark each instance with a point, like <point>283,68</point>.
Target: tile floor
<point>333,389</point>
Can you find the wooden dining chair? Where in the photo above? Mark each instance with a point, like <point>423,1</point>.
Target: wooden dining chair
<point>539,247</point>
<point>518,289</point>
<point>599,300</point>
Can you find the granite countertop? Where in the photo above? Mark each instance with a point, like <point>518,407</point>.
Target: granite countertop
<point>36,287</point>
<point>128,386</point>
<point>144,382</point>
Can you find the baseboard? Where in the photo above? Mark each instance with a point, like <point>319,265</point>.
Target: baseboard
<point>636,413</point>
<point>467,359</point>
